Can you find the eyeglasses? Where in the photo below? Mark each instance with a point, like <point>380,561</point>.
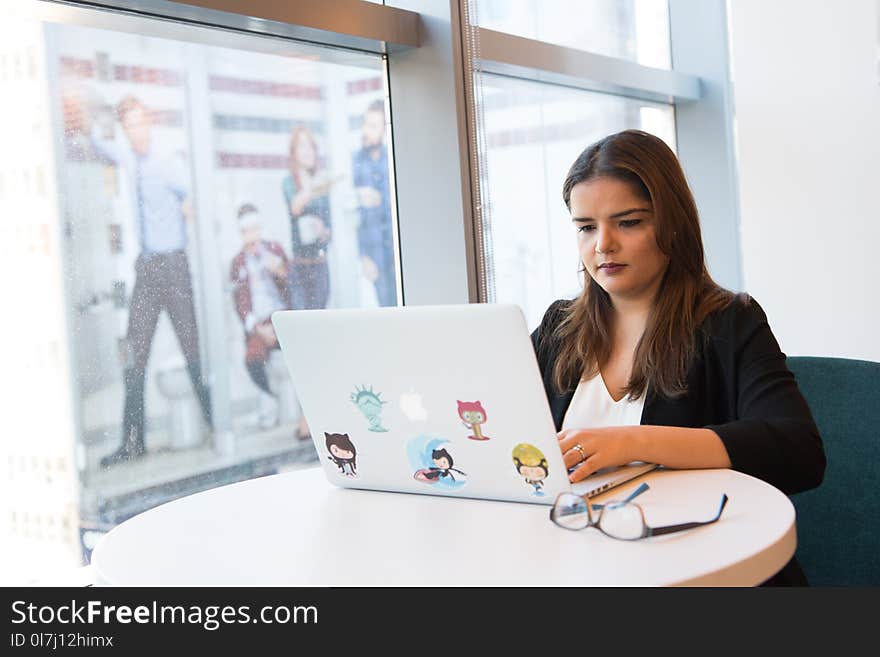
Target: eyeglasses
<point>623,520</point>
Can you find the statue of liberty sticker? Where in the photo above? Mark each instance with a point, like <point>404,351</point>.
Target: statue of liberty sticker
<point>370,404</point>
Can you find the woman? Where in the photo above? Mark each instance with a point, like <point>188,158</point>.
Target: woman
<point>306,192</point>
<point>654,361</point>
<point>306,195</point>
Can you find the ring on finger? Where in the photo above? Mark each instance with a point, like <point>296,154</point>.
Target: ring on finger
<point>580,451</point>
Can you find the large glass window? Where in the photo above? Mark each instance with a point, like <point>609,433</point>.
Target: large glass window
<point>635,30</point>
<point>164,190</point>
<point>534,132</point>
<point>529,131</point>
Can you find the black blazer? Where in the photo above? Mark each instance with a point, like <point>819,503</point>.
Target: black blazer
<point>737,385</point>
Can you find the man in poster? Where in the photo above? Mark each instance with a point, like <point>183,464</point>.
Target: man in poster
<point>158,184</point>
<point>373,188</point>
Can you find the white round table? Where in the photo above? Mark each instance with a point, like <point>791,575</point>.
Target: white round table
<point>296,529</point>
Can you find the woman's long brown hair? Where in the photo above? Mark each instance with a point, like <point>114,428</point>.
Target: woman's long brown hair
<point>687,293</point>
<point>301,132</point>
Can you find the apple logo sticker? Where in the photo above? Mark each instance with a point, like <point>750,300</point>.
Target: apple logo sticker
<point>412,407</point>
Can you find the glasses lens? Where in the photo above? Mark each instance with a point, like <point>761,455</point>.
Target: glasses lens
<point>570,511</point>
<point>622,520</point>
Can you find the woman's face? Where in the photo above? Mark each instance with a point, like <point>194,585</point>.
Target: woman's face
<point>305,152</point>
<point>617,239</point>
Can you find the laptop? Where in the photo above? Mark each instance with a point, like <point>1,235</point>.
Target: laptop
<point>436,400</point>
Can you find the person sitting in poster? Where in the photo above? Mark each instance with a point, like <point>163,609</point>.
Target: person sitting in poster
<point>158,183</point>
<point>371,181</point>
<point>307,198</point>
<point>259,274</point>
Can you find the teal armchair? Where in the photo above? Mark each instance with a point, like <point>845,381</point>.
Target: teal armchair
<point>838,523</point>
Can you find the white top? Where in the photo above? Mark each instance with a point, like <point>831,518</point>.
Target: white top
<point>593,406</point>
<point>295,529</point>
<point>265,298</point>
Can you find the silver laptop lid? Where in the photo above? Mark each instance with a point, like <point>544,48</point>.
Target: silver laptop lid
<point>442,400</point>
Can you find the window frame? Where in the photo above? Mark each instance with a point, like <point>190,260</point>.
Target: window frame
<point>352,24</point>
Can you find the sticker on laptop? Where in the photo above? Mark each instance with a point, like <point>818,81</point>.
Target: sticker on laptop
<point>412,406</point>
<point>370,404</point>
<point>473,415</point>
<point>434,464</point>
<point>531,465</point>
<point>342,452</point>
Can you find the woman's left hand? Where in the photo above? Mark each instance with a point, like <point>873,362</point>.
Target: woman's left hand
<point>602,448</point>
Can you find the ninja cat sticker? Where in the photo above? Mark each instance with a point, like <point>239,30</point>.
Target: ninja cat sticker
<point>434,464</point>
<point>342,453</point>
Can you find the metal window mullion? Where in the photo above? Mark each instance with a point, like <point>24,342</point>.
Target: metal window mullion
<point>514,56</point>
<point>431,160</point>
<point>478,152</point>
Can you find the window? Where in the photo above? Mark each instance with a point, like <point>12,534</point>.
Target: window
<point>534,131</point>
<point>635,30</point>
<point>533,120</point>
<point>166,189</point>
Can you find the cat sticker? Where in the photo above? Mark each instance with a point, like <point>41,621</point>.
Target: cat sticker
<point>433,463</point>
<point>473,415</point>
<point>370,404</point>
<point>342,453</point>
<point>531,465</point>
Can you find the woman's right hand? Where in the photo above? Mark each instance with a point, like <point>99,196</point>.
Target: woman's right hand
<point>597,448</point>
<point>299,202</point>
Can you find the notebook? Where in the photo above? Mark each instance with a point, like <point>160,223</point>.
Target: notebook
<point>436,400</point>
